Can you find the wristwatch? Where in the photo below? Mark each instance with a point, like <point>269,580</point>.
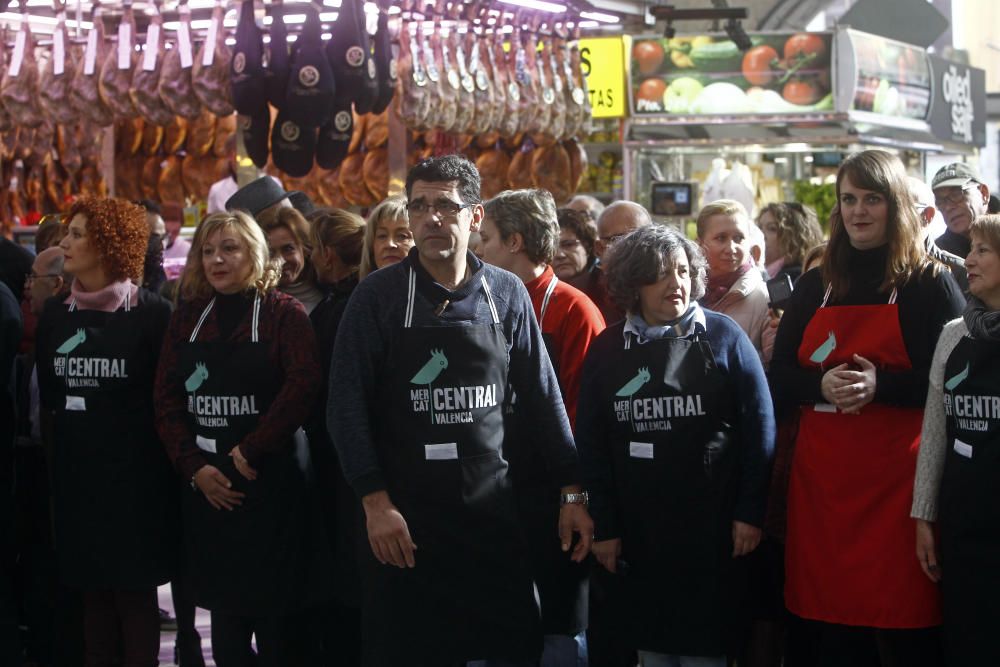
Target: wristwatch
<point>575,498</point>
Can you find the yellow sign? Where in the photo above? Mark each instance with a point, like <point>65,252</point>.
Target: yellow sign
<point>603,62</point>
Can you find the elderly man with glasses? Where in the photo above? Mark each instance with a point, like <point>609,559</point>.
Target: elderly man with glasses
<point>961,196</point>
<point>419,386</point>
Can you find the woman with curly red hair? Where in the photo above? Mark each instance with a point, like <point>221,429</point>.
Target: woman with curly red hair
<point>114,491</point>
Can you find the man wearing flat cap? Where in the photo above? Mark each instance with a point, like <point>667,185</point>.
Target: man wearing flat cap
<point>961,196</point>
<point>263,199</point>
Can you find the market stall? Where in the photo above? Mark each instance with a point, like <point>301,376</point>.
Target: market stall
<point>772,123</point>
<point>153,100</point>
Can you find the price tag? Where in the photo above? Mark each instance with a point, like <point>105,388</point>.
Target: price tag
<point>18,57</point>
<point>124,45</point>
<point>184,42</point>
<point>59,51</point>
<point>208,55</point>
<point>90,55</point>
<point>152,44</point>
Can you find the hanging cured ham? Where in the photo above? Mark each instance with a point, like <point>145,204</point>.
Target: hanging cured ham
<point>57,77</point>
<point>175,87</point>
<point>174,135</point>
<point>311,89</point>
<point>210,72</point>
<point>376,173</point>
<point>493,166</point>
<point>146,79</point>
<point>412,96</point>
<point>201,134</point>
<point>19,87</point>
<point>85,95</point>
<point>551,170</point>
<point>246,69</point>
<point>278,59</point>
<point>349,54</point>
<point>116,71</point>
<point>385,63</point>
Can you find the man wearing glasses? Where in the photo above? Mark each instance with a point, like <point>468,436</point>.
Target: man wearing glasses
<point>961,196</point>
<point>923,200</point>
<point>617,220</point>
<point>419,379</point>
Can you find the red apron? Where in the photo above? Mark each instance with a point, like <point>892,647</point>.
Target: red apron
<point>851,548</point>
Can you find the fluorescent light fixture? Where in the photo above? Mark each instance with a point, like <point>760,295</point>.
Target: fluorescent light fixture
<point>289,19</point>
<point>201,24</point>
<point>328,16</point>
<point>43,20</point>
<point>326,36</point>
<point>331,3</point>
<point>537,4</point>
<point>588,24</point>
<point>371,8</point>
<point>599,16</point>
<point>231,41</point>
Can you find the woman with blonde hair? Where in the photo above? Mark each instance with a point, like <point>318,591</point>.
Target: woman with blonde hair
<point>958,465</point>
<point>735,288</point>
<point>238,376</point>
<point>852,356</point>
<point>289,238</point>
<point>388,238</point>
<point>113,496</point>
<point>790,231</point>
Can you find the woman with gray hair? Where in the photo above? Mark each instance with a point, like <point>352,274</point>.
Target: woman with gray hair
<point>520,233</point>
<point>675,431</point>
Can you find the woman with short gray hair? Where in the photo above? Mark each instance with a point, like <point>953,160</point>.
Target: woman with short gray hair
<point>675,432</point>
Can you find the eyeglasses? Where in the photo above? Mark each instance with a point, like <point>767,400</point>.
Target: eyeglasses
<point>446,208</point>
<point>953,198</point>
<point>608,240</point>
<point>34,276</point>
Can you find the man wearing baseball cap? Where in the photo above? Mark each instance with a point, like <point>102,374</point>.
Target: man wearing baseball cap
<point>961,196</point>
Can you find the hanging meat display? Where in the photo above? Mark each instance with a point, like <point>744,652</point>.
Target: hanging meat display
<point>19,87</point>
<point>210,72</point>
<point>85,94</point>
<point>57,77</point>
<point>116,71</point>
<point>175,86</point>
<point>145,91</point>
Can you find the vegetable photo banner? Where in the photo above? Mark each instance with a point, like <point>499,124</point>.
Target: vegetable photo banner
<point>708,75</point>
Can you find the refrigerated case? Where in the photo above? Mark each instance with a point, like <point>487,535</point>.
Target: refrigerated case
<point>782,115</point>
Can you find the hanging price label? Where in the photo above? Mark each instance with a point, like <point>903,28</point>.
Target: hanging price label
<point>208,55</point>
<point>18,57</point>
<point>184,40</point>
<point>59,51</point>
<point>124,45</point>
<point>90,55</point>
<point>152,44</point>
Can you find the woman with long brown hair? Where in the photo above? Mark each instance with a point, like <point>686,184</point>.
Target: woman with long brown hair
<point>852,355</point>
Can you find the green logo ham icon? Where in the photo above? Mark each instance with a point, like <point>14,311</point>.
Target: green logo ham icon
<point>635,384</point>
<point>824,350</point>
<point>958,379</point>
<point>72,342</point>
<point>430,371</point>
<point>196,379</point>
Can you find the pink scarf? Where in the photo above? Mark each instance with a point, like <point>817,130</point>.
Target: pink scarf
<point>719,286</point>
<point>107,299</point>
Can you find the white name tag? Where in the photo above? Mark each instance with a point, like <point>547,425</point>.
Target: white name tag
<point>124,46</point>
<point>152,41</point>
<point>184,39</point>
<point>77,403</point>
<point>640,450</point>
<point>963,449</point>
<point>825,407</point>
<point>90,57</point>
<point>208,444</point>
<point>446,451</point>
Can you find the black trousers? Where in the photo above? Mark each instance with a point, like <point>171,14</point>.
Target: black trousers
<point>817,644</point>
<point>231,635</point>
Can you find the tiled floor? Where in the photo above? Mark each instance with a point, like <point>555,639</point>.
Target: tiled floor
<point>167,637</point>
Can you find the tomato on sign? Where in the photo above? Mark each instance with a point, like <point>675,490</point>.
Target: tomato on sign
<point>603,63</point>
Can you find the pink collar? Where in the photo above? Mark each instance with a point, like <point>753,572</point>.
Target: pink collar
<point>107,299</point>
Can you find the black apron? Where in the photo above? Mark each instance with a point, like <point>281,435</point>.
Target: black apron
<point>255,560</point>
<point>115,503</point>
<point>969,510</point>
<point>439,442</point>
<point>561,585</point>
<point>674,457</point>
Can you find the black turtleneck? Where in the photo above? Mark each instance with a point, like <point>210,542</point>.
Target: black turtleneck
<point>230,309</point>
<point>926,303</point>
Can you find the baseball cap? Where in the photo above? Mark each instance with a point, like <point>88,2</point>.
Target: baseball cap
<point>954,175</point>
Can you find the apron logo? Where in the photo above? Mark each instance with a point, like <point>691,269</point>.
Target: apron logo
<point>72,342</point>
<point>196,378</point>
<point>430,371</point>
<point>635,384</point>
<point>825,350</point>
<point>958,379</point>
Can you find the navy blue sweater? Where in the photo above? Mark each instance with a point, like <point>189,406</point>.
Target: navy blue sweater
<point>740,365</point>
<point>373,321</point>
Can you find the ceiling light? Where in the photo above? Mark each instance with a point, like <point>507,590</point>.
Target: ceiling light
<point>537,4</point>
<point>600,16</point>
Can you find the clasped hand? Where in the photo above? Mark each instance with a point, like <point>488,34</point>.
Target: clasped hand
<point>850,390</point>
